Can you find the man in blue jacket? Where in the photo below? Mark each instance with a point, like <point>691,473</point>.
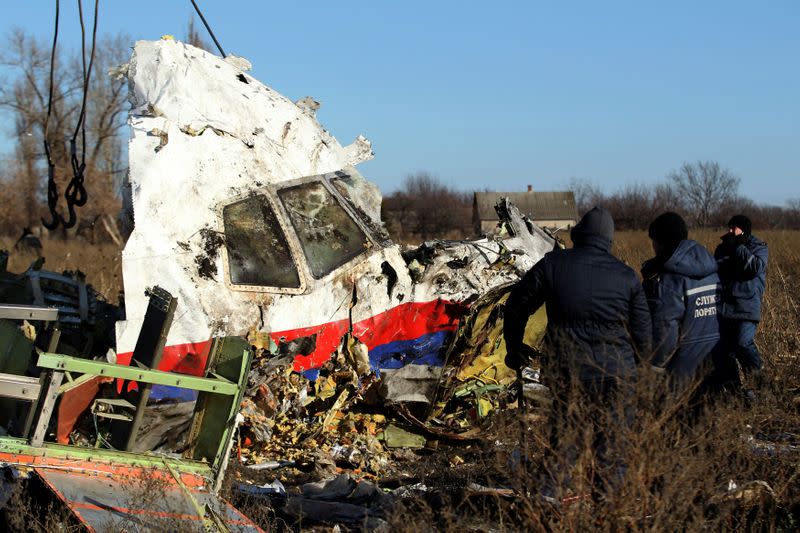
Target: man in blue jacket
<point>598,326</point>
<point>685,296</point>
<point>742,259</point>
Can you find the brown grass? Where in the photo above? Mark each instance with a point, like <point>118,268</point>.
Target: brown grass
<point>730,468</point>
<point>102,263</point>
<point>779,331</point>
<point>681,475</point>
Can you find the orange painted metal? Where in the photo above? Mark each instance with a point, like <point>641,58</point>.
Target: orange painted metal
<point>101,468</point>
<point>72,405</point>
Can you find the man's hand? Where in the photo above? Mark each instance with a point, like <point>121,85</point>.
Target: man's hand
<point>520,356</point>
<point>731,240</point>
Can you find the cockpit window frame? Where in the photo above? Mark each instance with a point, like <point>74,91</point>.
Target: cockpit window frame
<point>295,252</point>
<point>321,254</point>
<point>378,234</point>
<point>295,247</point>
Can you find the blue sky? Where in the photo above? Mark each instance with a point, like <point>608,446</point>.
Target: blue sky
<point>504,94</point>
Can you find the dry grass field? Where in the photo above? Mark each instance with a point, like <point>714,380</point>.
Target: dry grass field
<point>102,263</point>
<point>734,467</point>
<point>729,467</point>
<point>778,334</point>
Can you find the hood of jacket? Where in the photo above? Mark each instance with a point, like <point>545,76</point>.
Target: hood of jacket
<point>596,228</point>
<point>754,242</point>
<point>690,259</point>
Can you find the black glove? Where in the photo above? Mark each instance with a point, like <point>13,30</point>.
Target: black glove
<point>513,360</point>
<point>519,356</point>
<point>731,240</point>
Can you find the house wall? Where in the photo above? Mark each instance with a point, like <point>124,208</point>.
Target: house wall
<point>489,226</point>
<point>556,223</point>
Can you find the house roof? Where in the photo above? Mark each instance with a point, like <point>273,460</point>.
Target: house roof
<point>544,205</point>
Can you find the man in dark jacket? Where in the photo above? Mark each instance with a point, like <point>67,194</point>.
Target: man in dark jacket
<point>742,260</point>
<point>685,295</point>
<point>598,326</point>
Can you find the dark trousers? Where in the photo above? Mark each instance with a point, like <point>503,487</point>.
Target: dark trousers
<point>740,349</point>
<point>741,334</point>
<point>599,413</point>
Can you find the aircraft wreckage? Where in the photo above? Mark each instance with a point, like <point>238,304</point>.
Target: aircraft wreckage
<point>255,218</point>
<point>248,220</point>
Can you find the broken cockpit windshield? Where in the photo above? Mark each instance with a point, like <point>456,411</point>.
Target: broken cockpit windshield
<point>258,253</point>
<point>343,185</point>
<point>328,235</point>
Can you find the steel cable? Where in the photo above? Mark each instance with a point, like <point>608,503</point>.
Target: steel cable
<point>75,193</point>
<point>52,189</point>
<point>219,47</point>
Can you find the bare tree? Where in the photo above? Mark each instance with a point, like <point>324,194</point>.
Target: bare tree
<point>193,36</point>
<point>106,119</point>
<point>738,204</point>
<point>631,206</point>
<point>664,197</point>
<point>425,208</point>
<point>587,193</point>
<point>25,96</point>
<point>705,186</point>
<point>793,213</point>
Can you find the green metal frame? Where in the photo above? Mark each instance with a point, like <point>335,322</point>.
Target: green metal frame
<point>213,426</point>
<point>65,363</point>
<point>211,434</point>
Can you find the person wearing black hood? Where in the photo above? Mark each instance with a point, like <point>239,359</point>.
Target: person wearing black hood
<point>684,294</point>
<point>742,260</point>
<point>598,328</point>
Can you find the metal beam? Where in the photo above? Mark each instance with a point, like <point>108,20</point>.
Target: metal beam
<point>19,387</point>
<point>156,377</point>
<point>47,402</point>
<point>149,350</point>
<point>74,383</point>
<point>55,335</point>
<point>28,312</point>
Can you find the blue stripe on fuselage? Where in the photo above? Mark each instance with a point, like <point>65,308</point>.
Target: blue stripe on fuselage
<point>424,350</point>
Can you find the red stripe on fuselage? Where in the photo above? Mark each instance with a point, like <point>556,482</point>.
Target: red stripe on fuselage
<point>405,322</point>
<point>189,358</point>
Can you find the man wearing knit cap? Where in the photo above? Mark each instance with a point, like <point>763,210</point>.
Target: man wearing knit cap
<point>598,327</point>
<point>685,295</point>
<point>742,259</point>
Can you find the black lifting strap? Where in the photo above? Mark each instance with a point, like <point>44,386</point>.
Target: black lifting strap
<point>75,193</point>
<point>52,189</point>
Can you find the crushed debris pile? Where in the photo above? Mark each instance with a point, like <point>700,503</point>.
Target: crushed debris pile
<point>353,420</point>
<point>291,418</point>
